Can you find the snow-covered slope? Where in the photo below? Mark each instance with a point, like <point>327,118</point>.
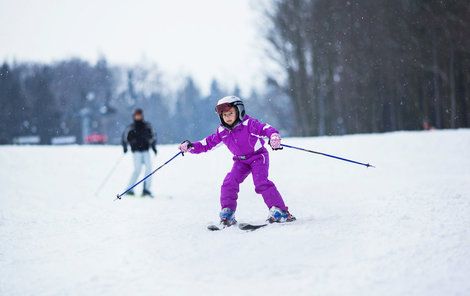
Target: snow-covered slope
<point>400,229</point>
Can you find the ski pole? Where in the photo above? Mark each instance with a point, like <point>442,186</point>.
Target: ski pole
<point>328,155</point>
<point>111,172</point>
<point>118,196</point>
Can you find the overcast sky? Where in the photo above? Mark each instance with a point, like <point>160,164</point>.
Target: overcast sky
<point>204,38</point>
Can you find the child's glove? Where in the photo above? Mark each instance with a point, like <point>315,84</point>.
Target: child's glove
<point>275,142</point>
<point>186,146</point>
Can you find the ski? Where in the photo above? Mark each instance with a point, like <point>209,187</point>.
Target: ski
<point>251,227</point>
<point>241,226</point>
<point>214,227</point>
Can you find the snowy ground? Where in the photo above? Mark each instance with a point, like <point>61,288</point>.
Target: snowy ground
<point>400,229</point>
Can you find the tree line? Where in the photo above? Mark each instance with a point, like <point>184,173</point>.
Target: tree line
<point>344,67</point>
<point>77,98</point>
<point>361,66</point>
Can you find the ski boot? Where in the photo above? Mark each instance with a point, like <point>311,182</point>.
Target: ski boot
<point>147,193</point>
<point>277,215</point>
<point>130,192</point>
<point>227,217</point>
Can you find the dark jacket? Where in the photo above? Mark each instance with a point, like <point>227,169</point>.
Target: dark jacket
<point>140,136</point>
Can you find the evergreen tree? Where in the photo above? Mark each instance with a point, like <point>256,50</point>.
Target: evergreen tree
<point>13,105</point>
<point>46,114</point>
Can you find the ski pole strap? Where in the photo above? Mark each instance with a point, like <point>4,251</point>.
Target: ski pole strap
<point>118,196</point>
<point>328,155</point>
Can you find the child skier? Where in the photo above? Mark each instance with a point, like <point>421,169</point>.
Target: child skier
<point>243,135</point>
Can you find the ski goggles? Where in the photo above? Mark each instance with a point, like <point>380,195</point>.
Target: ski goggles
<point>223,108</point>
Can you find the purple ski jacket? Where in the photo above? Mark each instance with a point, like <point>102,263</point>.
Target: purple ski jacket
<point>243,140</point>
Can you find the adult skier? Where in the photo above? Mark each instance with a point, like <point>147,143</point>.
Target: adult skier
<point>140,136</point>
<point>243,135</point>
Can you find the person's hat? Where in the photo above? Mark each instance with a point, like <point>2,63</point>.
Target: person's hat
<point>138,111</point>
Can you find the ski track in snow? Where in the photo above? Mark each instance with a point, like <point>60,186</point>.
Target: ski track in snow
<point>399,229</point>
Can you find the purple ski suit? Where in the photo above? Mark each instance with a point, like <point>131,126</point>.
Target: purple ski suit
<point>246,143</point>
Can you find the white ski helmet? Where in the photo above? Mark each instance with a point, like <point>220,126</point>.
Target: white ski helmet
<point>227,102</point>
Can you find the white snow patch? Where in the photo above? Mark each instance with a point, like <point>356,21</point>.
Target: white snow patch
<point>399,229</point>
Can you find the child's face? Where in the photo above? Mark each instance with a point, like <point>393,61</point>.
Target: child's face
<point>230,116</point>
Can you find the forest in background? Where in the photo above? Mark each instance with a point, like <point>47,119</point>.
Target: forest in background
<point>342,67</point>
<point>372,65</point>
<point>76,98</point>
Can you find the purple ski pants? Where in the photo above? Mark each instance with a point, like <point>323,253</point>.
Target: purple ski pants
<point>258,166</point>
